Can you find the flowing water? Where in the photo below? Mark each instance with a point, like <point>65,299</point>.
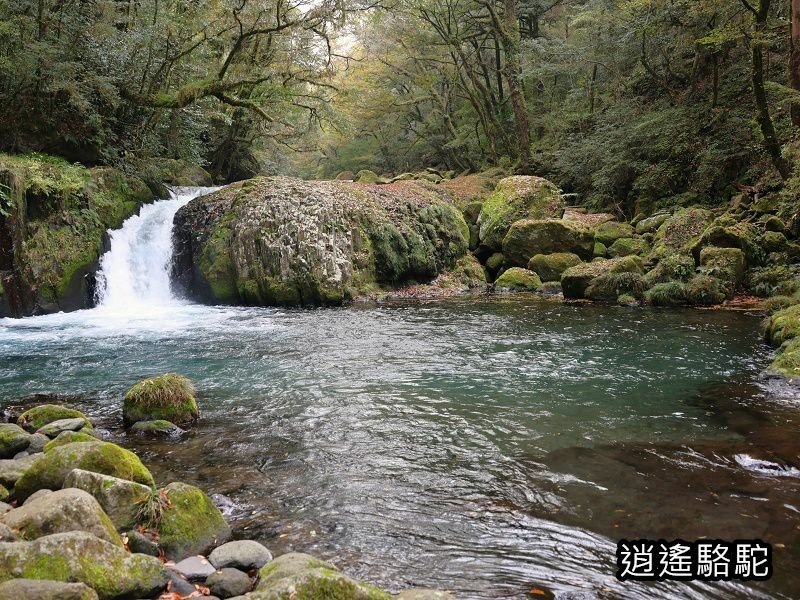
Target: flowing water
<point>491,446</point>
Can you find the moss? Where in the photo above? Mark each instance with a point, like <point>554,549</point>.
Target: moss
<point>673,267</point>
<point>705,290</point>
<point>527,238</point>
<point>168,397</point>
<point>678,233</point>
<point>49,567</point>
<point>576,280</point>
<point>609,286</point>
<point>367,176</point>
<point>670,293</point>
<point>191,524</point>
<point>50,470</point>
<point>609,232</point>
<point>778,303</point>
<point>39,416</point>
<point>725,264</point>
<point>518,280</point>
<point>787,361</point>
<point>517,198</point>
<point>216,264</point>
<point>628,247</point>
<point>774,241</point>
<point>741,235</point>
<point>783,326</point>
<point>550,267</point>
<point>4,493</point>
<point>627,300</point>
<point>68,437</point>
<point>600,250</point>
<point>495,262</point>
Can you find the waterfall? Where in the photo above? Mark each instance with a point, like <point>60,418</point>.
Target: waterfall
<point>135,273</point>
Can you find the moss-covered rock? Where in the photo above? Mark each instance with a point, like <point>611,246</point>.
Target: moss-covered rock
<point>681,231</point>
<point>701,290</point>
<point>651,224</point>
<point>609,232</point>
<point>39,416</point>
<point>600,250</point>
<point>628,301</point>
<point>56,428</point>
<point>78,556</point>
<point>285,241</point>
<point>51,469</point>
<point>60,511</point>
<point>13,439</point>
<point>168,397</point>
<point>158,428</point>
<point>303,577</point>
<point>516,198</point>
<point>610,286</point>
<point>367,176</point>
<point>68,437</point>
<point>192,524</point>
<point>725,234</point>
<point>516,279</point>
<point>783,326</point>
<point>11,470</point>
<point>550,267</point>
<point>673,267</point>
<point>576,280</point>
<point>4,493</point>
<point>775,241</point>
<point>529,237</point>
<point>629,247</point>
<point>122,500</point>
<point>724,264</point>
<point>39,589</point>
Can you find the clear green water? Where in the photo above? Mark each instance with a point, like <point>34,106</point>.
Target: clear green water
<point>486,446</point>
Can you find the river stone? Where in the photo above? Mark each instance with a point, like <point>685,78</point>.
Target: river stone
<point>36,495</point>
<point>303,576</point>
<point>550,267</point>
<point>6,534</point>
<point>39,416</point>
<point>53,428</point>
<point>68,437</point>
<point>227,583</point>
<point>425,594</point>
<point>240,554</point>
<point>157,428</point>
<point>192,524</point>
<point>51,469</point>
<point>57,512</point>
<point>41,589</point>
<point>142,543</point>
<point>530,237</point>
<point>575,280</point>
<point>195,568</point>
<point>516,279</point>
<point>38,442</point>
<point>121,499</point>
<point>82,557</point>
<point>13,469</point>
<point>13,439</point>
<point>178,584</point>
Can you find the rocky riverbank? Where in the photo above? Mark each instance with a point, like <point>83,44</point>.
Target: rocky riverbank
<point>82,518</point>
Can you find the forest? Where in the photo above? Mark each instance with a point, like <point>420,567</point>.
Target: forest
<point>658,102</point>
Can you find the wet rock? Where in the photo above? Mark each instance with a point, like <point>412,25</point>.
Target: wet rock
<point>517,198</point>
<point>121,499</point>
<point>13,469</point>
<point>159,428</point>
<point>53,428</point>
<point>142,543</point>
<point>516,279</point>
<point>179,584</point>
<point>58,512</point>
<point>38,589</point>
<point>227,583</point>
<point>38,442</point>
<point>36,495</point>
<point>240,554</point>
<point>528,237</point>
<point>6,533</point>
<point>68,437</point>
<point>51,469</point>
<point>195,568</point>
<point>726,264</point>
<point>39,416</point>
<point>13,439</point>
<point>425,594</point>
<point>576,280</point>
<point>78,556</point>
<point>550,267</point>
<point>302,575</point>
<point>192,524</point>
<point>168,397</point>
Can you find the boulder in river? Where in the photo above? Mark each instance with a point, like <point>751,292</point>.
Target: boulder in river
<point>48,471</point>
<point>69,437</point>
<point>284,241</point>
<point>240,554</point>
<point>168,397</point>
<point>13,439</point>
<point>34,419</point>
<point>78,556</point>
<point>550,267</point>
<point>576,280</point>
<point>530,237</point>
<point>516,279</point>
<point>191,524</point>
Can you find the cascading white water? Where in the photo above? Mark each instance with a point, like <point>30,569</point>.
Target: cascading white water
<point>134,273</point>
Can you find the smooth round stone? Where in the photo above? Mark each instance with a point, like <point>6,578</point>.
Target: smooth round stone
<point>227,583</point>
<point>140,543</point>
<point>51,430</point>
<point>38,441</point>
<point>194,568</point>
<point>35,495</point>
<point>241,554</point>
<point>179,584</point>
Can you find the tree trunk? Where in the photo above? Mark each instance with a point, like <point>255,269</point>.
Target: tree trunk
<point>513,70</point>
<point>794,56</point>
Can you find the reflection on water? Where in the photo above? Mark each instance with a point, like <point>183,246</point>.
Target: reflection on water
<point>487,447</point>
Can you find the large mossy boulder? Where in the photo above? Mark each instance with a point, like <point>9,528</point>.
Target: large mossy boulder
<point>191,524</point>
<point>550,267</point>
<point>122,500</point>
<point>297,575</point>
<point>284,241</point>
<point>529,237</point>
<point>50,470</point>
<point>13,439</point>
<point>69,437</point>
<point>651,224</point>
<point>41,589</point>
<point>12,469</point>
<point>37,417</point>
<point>515,198</point>
<point>168,397</point>
<point>609,232</point>
<point>576,280</point>
<point>725,233</point>
<point>78,556</point>
<point>64,510</point>
<point>679,233</point>
<point>725,264</point>
<point>628,247</point>
<point>367,176</point>
<point>673,267</point>
<point>517,279</point>
<point>700,290</point>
